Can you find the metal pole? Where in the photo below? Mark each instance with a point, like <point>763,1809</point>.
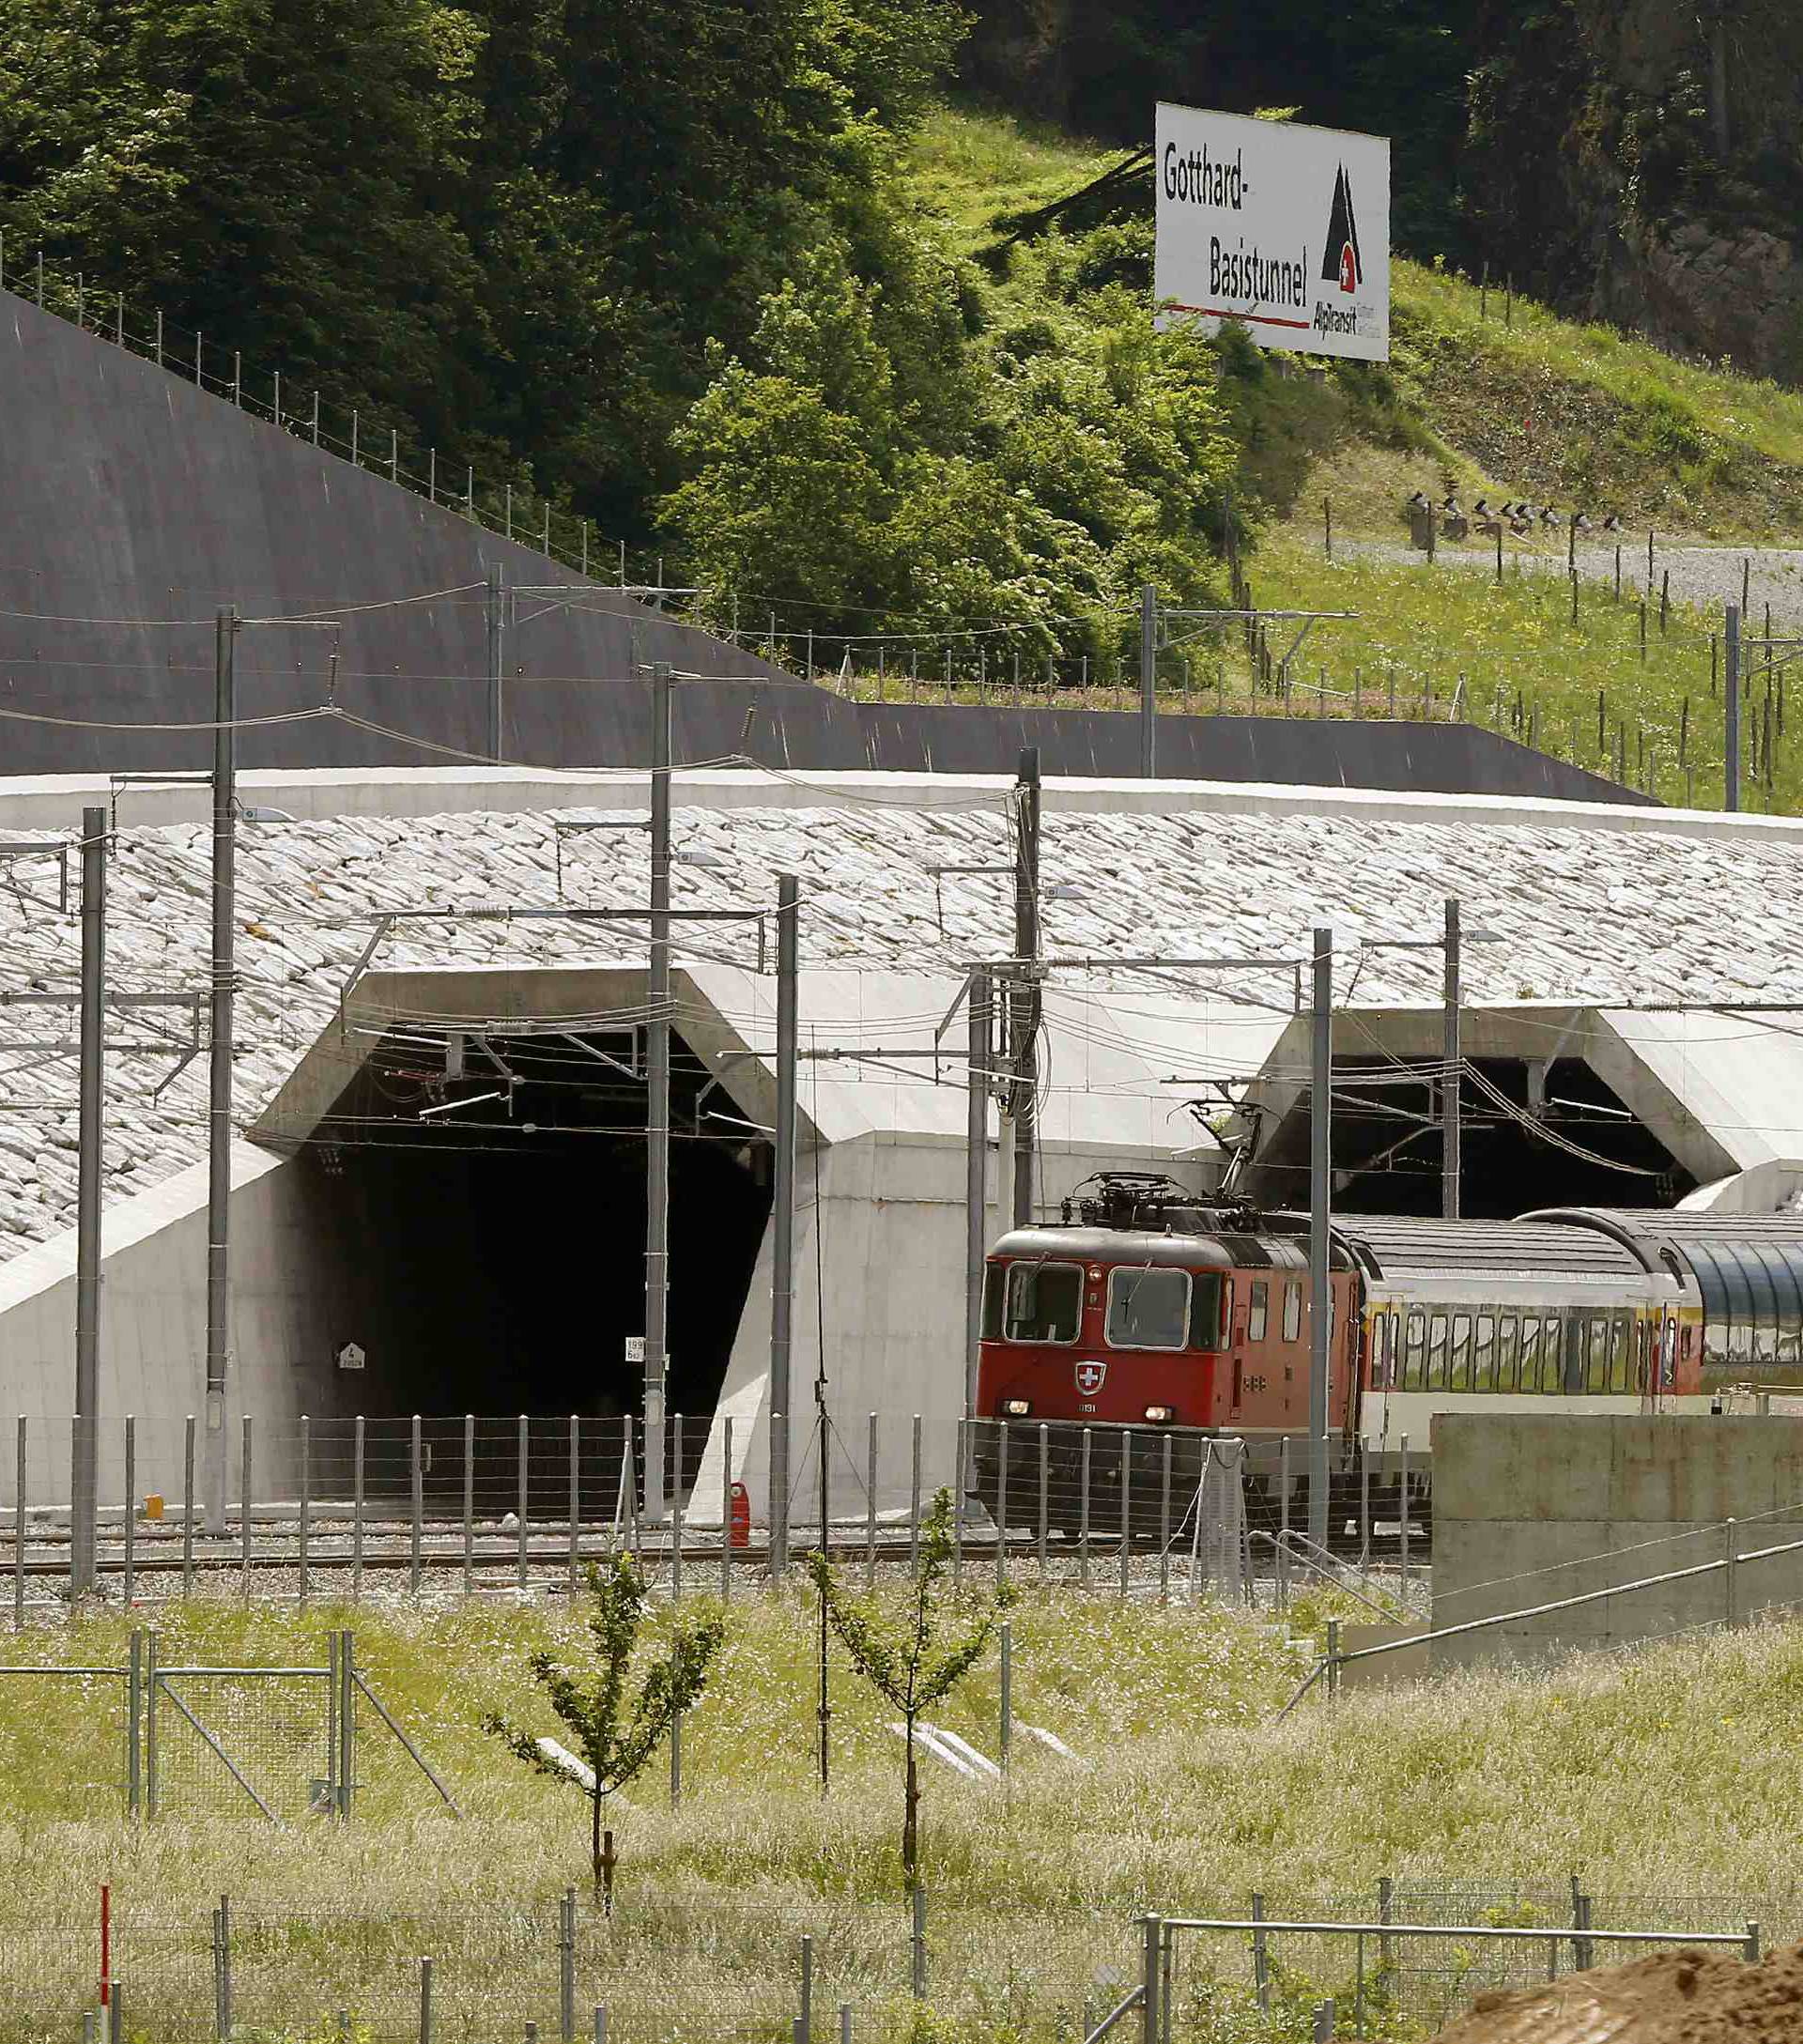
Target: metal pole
<point>976,1177</point>
<point>1454,1061</point>
<point>84,1473</point>
<point>657,1100</point>
<point>1730,705</point>
<point>18,1525</point>
<point>416,1474</point>
<point>497,618</point>
<point>219,1094</point>
<point>1149,680</point>
<point>1149,1980</point>
<point>1320,1128</point>
<point>1027,984</point>
<point>1005,1732</point>
<point>782,1214</point>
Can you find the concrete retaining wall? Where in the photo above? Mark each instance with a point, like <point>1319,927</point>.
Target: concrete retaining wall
<point>1532,1509</point>
<point>130,495</point>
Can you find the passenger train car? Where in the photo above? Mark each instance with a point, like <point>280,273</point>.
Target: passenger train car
<point>1144,1308</point>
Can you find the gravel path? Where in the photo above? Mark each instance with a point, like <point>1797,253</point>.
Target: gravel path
<point>1709,577</point>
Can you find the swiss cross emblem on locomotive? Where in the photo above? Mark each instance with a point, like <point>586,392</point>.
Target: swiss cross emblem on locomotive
<point>1090,1377</point>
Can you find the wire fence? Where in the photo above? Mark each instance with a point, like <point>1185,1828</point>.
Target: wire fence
<point>810,1969</point>
<point>471,1502</point>
<point>1232,1976</point>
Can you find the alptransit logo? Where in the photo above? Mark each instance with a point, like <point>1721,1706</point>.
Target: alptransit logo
<point>1340,262</point>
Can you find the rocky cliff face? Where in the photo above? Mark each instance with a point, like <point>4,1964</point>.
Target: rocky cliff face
<point>1639,161</point>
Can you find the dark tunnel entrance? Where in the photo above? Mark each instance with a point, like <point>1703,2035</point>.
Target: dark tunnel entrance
<point>1556,1136</point>
<point>485,1199</point>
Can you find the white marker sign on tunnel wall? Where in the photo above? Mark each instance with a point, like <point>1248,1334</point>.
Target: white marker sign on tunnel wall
<point>1283,227</point>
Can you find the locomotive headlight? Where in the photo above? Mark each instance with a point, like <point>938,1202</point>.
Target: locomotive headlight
<point>1160,1412</point>
<point>1016,1408</point>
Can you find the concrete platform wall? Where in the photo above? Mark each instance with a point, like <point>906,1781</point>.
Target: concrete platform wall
<point>1531,1509</point>
<point>288,1288</point>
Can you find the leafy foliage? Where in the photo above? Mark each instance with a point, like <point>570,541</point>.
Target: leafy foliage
<point>615,1737</point>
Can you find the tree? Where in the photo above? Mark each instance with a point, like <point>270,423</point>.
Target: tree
<point>613,1739</point>
<point>897,1652</point>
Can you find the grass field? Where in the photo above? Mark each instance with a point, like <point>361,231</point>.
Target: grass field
<point>1673,1775</point>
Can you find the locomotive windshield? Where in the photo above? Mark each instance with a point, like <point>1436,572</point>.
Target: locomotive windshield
<point>1043,1302</point>
<point>1149,1308</point>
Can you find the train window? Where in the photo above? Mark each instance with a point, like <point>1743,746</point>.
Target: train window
<point>1437,1352</point>
<point>1561,1363</point>
<point>1529,1377</point>
<point>1458,1369</point>
<point>1594,1376</point>
<point>1260,1310</point>
<point>1292,1312</point>
<point>1149,1308</point>
<point>1210,1304</point>
<point>1621,1345</point>
<point>1484,1353</point>
<point>1044,1303</point>
<point>1508,1342</point>
<point>1415,1351</point>
<point>994,1278</point>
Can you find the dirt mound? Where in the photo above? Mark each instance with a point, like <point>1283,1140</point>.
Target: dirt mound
<point>1679,1997</point>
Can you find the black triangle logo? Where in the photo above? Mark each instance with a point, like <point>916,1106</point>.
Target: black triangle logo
<point>1340,262</point>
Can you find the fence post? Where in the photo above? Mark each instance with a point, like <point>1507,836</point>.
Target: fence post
<point>1150,1978</point>
<point>1261,1957</point>
<point>917,1939</point>
<point>804,2019</point>
<point>601,2023</point>
<point>1386,1903</point>
<point>676,1511</point>
<point>870,1517</point>
<point>222,1968</point>
<point>523,1495</point>
<point>19,1532</point>
<point>1083,1512</point>
<point>959,1467</point>
<point>346,1722</point>
<point>1326,2020</point>
<point>1402,1489</point>
<point>1582,1953</point>
<point>356,1508</point>
<point>1165,1523</point>
<point>244,1489</point>
<point>186,1508</point>
<point>469,1502</point>
<point>134,1725</point>
<point>306,1497</point>
<point>1333,1658</point>
<point>914,1503</point>
<point>566,1966</point>
<point>416,1474</point>
<point>1730,1574</point>
<point>1005,1739</point>
<point>1750,1953</point>
<point>150,1680</point>
<point>1126,1506</point>
<point>576,1501</point>
<point>131,1509</point>
<point>425,2001</point>
<point>726,1507</point>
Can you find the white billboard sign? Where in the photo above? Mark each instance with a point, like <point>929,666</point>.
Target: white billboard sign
<point>1283,227</point>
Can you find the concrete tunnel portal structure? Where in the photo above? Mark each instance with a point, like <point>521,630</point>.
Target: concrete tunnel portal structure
<point>444,1163</point>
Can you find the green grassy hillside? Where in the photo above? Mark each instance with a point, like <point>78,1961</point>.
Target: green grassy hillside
<point>1537,407</point>
<point>1482,395</point>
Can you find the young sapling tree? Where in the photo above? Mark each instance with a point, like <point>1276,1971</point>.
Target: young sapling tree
<point>614,1736</point>
<point>900,1652</point>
